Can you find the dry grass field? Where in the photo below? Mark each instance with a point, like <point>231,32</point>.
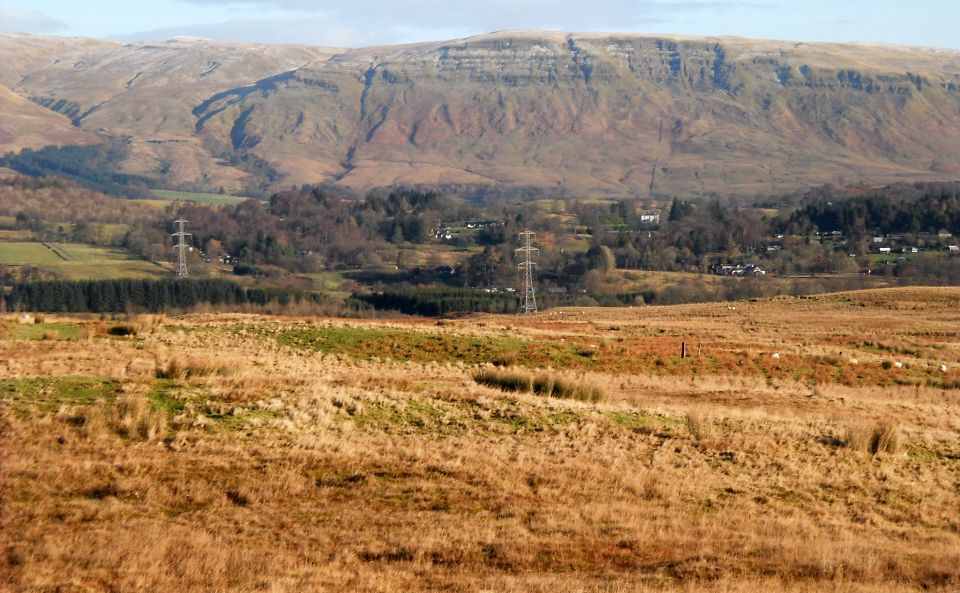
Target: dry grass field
<point>805,444</point>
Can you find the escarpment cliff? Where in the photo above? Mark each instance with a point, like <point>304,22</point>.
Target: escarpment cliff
<point>606,113</point>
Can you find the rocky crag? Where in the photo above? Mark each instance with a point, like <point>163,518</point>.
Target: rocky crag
<point>592,113</point>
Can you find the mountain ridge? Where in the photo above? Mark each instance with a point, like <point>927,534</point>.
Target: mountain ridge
<point>624,114</point>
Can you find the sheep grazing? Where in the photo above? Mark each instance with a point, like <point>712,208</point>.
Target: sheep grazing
<point>775,356</point>
<point>943,368</point>
<point>898,364</point>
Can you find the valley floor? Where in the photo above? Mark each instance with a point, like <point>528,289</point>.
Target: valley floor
<point>804,444</point>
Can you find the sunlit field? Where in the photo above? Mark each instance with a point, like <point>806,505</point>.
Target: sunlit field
<point>803,444</point>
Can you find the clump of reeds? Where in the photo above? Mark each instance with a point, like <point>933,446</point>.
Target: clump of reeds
<point>134,418</point>
<point>699,426</point>
<point>882,437</point>
<point>548,384</point>
<point>172,370</point>
<point>131,416</point>
<point>177,369</point>
<point>506,381</point>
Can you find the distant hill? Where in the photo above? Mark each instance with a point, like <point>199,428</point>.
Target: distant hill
<point>610,113</point>
<point>24,124</point>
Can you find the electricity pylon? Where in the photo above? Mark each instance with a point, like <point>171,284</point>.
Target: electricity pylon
<point>527,265</point>
<point>181,247</point>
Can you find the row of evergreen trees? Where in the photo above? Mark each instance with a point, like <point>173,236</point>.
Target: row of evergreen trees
<point>91,166</point>
<point>112,296</point>
<point>439,301</point>
<point>121,295</point>
<point>933,212</point>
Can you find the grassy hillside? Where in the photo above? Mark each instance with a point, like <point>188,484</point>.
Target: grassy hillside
<point>24,124</point>
<point>805,444</point>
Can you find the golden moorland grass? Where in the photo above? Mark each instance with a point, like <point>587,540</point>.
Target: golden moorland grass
<point>805,445</point>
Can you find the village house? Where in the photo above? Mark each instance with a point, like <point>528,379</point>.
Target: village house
<point>739,270</point>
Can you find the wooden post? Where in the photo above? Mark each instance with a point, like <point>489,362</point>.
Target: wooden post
<point>683,349</point>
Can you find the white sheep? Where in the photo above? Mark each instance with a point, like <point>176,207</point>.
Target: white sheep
<point>775,355</point>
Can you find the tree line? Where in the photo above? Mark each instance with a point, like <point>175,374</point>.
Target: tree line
<point>121,295</point>
<point>437,302</point>
<point>94,167</point>
<point>933,212</point>
<point>384,239</point>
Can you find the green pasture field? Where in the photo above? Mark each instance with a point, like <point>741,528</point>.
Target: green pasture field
<point>27,253</point>
<point>104,263</point>
<point>331,283</point>
<point>89,262</point>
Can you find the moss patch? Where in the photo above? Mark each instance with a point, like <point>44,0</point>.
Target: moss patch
<point>45,331</point>
<point>47,394</point>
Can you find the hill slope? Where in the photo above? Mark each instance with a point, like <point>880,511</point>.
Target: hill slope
<point>26,125</point>
<point>623,114</point>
